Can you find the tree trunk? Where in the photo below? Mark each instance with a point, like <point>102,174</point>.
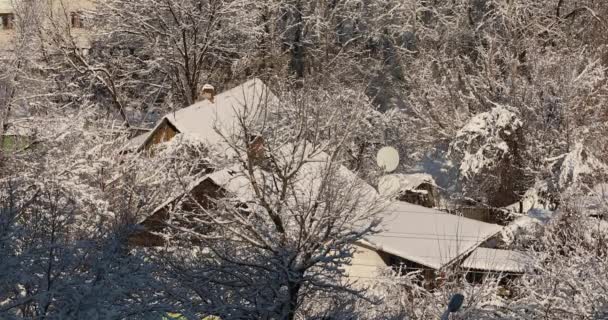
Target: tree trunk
<point>292,303</point>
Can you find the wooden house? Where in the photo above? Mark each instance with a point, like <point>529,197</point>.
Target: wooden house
<point>68,15</point>
<point>415,238</point>
<point>502,265</point>
<point>412,237</point>
<point>210,118</point>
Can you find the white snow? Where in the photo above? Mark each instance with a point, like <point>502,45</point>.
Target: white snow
<point>596,201</point>
<point>422,235</point>
<point>427,236</point>
<point>136,142</point>
<point>210,120</point>
<point>577,163</point>
<point>392,184</point>
<point>21,127</point>
<point>543,216</point>
<point>530,200</point>
<point>480,142</point>
<point>521,225</point>
<point>485,123</point>
<point>487,259</point>
<point>306,187</point>
<point>233,181</point>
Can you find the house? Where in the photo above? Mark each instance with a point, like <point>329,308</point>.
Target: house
<point>68,13</point>
<point>211,118</point>
<point>413,237</point>
<point>419,238</point>
<point>203,192</point>
<point>7,18</point>
<point>485,213</point>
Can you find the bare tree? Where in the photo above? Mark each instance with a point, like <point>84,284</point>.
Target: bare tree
<point>280,237</point>
<point>187,42</point>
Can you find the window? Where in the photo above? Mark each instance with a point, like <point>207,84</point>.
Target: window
<point>76,20</point>
<point>7,21</point>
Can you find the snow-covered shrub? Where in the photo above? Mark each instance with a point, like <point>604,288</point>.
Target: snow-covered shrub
<point>488,150</point>
<point>398,296</point>
<point>569,278</point>
<point>484,141</point>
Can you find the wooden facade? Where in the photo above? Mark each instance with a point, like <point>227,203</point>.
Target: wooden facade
<point>367,261</point>
<point>200,196</point>
<point>163,133</point>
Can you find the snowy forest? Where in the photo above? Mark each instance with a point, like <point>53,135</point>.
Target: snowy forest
<point>121,198</point>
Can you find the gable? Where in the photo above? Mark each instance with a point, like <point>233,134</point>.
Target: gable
<point>211,121</point>
<point>198,196</point>
<point>163,132</point>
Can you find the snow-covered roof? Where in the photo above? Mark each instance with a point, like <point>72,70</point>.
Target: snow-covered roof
<point>486,259</point>
<point>429,237</point>
<point>233,181</point>
<point>226,178</point>
<point>392,184</point>
<point>205,117</point>
<point>572,167</point>
<point>307,183</point>
<point>137,141</point>
<point>426,236</point>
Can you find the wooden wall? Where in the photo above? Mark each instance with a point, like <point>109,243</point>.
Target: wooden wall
<point>165,132</point>
<point>200,196</point>
<point>365,263</point>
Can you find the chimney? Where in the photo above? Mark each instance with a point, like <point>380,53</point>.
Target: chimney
<point>207,92</point>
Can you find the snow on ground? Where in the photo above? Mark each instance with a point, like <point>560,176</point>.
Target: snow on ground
<point>576,164</point>
<point>526,224</point>
<point>595,201</point>
<point>530,200</point>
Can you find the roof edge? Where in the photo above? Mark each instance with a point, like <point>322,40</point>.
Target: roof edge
<point>447,264</point>
<point>153,131</point>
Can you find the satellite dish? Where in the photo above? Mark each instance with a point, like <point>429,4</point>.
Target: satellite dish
<point>453,306</point>
<point>455,303</point>
<point>388,159</point>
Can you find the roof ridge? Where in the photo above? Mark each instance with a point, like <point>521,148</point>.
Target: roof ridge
<point>206,103</point>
